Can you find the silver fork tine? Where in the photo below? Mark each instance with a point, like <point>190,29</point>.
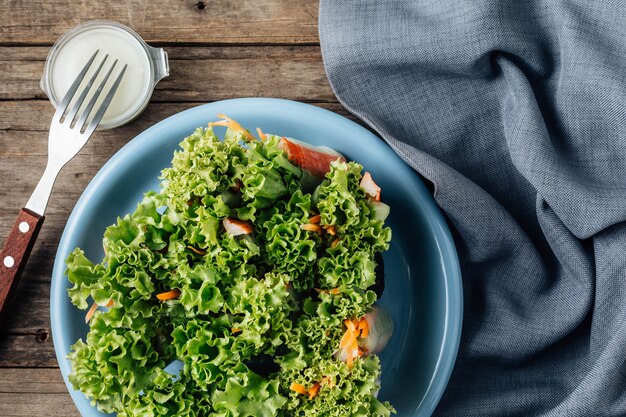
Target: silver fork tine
<point>83,117</point>
<point>70,115</point>
<point>105,103</point>
<point>72,90</point>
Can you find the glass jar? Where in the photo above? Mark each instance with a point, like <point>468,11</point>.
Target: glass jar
<point>146,67</point>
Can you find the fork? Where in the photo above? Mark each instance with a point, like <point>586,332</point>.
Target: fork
<point>69,131</point>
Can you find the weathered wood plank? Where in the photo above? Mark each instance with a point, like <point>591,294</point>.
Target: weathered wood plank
<point>198,73</point>
<point>23,381</point>
<point>19,350</point>
<point>183,21</point>
<point>34,392</point>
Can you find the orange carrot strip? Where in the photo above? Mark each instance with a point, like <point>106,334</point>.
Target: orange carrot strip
<point>333,291</point>
<point>169,295</point>
<point>350,358</point>
<point>314,390</point>
<point>228,122</point>
<point>236,330</point>
<point>335,243</point>
<point>331,230</point>
<point>90,312</point>
<point>110,304</point>
<point>349,335</point>
<point>310,227</point>
<point>315,219</point>
<point>261,134</point>
<point>349,343</point>
<point>299,388</point>
<point>364,327</point>
<point>198,251</point>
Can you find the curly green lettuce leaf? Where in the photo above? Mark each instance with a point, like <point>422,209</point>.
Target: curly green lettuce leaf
<point>200,292</point>
<point>248,395</point>
<point>84,275</point>
<point>246,322</point>
<point>344,391</point>
<point>114,364</point>
<point>267,177</point>
<point>167,398</point>
<point>206,349</point>
<point>338,195</point>
<point>205,165</point>
<point>287,247</point>
<point>343,267</point>
<point>260,310</point>
<point>341,202</point>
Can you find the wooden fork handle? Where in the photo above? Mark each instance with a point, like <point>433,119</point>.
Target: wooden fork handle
<point>15,253</point>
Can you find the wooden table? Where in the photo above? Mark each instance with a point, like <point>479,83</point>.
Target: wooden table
<point>218,49</point>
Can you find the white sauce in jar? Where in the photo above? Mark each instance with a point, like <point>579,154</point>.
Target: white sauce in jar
<point>145,67</point>
<point>135,85</point>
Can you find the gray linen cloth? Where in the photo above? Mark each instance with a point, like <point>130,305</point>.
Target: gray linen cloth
<point>515,112</point>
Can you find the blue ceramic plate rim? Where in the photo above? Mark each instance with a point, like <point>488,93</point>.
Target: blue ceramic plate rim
<point>442,236</point>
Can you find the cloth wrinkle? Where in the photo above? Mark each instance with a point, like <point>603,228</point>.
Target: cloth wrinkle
<point>514,112</point>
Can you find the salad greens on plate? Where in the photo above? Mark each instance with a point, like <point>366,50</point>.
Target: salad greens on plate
<point>257,265</point>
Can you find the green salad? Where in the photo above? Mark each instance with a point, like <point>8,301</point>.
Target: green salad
<point>255,265</point>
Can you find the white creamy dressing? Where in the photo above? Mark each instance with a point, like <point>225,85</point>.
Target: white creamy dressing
<point>75,53</point>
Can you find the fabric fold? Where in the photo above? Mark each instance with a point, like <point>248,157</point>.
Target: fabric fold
<point>514,111</point>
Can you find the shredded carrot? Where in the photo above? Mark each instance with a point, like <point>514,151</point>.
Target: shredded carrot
<point>315,219</point>
<point>364,327</point>
<point>228,122</point>
<point>299,388</point>
<point>310,227</point>
<point>331,230</point>
<point>349,335</point>
<point>314,390</point>
<point>198,251</point>
<point>335,243</point>
<point>93,309</point>
<point>333,291</point>
<point>169,295</point>
<point>235,330</point>
<point>261,134</point>
<point>350,360</point>
<point>349,343</point>
<point>90,312</point>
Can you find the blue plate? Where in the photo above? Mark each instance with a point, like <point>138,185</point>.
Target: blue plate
<point>423,281</point>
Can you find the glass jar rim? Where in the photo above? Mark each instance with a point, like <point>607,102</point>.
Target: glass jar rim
<point>46,81</point>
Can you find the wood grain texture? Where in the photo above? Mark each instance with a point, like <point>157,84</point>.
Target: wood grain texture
<point>198,74</point>
<point>166,21</point>
<point>34,392</point>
